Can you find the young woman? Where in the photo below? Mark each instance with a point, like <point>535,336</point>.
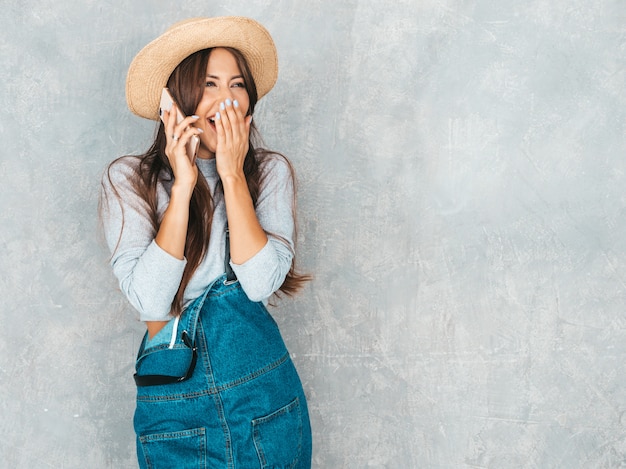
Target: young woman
<point>199,243</point>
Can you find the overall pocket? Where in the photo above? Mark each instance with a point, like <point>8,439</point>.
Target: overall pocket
<point>278,437</point>
<point>164,360</point>
<point>182,450</point>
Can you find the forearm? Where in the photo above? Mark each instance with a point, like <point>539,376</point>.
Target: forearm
<point>247,237</point>
<point>172,233</point>
<point>172,236</point>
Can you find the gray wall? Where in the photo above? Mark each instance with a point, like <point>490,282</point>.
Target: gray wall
<point>462,209</point>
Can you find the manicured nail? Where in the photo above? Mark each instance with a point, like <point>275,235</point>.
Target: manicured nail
<point>195,117</point>
<point>217,115</point>
<point>200,130</point>
<point>228,102</point>
<point>222,107</point>
<point>236,103</point>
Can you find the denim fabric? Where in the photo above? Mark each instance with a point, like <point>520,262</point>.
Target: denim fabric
<point>243,407</point>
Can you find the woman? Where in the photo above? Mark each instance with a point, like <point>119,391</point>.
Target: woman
<point>199,243</point>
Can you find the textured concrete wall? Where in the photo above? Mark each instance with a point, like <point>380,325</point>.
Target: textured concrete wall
<point>462,172</point>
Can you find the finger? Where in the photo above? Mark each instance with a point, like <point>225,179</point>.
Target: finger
<point>188,121</point>
<point>240,118</point>
<point>170,139</point>
<point>233,111</point>
<point>219,127</point>
<point>225,117</point>
<point>169,123</point>
<point>188,134</point>
<point>239,127</point>
<point>180,129</point>
<point>238,110</point>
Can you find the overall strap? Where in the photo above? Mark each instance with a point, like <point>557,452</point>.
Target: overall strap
<point>230,275</point>
<point>195,308</point>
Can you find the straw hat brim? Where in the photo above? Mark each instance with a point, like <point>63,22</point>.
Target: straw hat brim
<point>152,66</point>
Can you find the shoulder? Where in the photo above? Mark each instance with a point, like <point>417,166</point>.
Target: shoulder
<point>121,170</point>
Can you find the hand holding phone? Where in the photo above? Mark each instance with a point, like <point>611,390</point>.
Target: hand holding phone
<point>166,105</point>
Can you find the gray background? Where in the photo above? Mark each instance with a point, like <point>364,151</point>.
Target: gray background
<point>462,209</point>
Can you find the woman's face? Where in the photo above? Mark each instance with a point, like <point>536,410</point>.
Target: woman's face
<point>223,81</point>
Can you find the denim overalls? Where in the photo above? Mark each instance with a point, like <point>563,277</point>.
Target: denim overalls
<point>237,401</point>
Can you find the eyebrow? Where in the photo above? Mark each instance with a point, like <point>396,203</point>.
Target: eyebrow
<point>215,77</point>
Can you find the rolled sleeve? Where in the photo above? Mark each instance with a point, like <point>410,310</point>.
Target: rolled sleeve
<point>152,283</point>
<point>265,272</point>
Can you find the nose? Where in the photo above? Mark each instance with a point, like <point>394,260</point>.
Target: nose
<point>225,93</point>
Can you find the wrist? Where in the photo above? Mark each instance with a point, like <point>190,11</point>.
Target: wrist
<point>234,179</point>
<point>181,192</point>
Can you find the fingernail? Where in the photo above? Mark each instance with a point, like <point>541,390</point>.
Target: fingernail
<point>217,115</point>
<point>228,103</point>
<point>222,107</point>
<point>200,130</point>
<point>236,103</point>
<point>195,117</point>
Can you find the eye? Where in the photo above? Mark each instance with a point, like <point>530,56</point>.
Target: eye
<point>210,83</point>
<point>239,85</point>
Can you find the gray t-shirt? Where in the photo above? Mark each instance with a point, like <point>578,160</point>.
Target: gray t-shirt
<point>150,277</point>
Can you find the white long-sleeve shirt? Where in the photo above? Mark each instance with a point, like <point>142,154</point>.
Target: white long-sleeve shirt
<point>150,277</point>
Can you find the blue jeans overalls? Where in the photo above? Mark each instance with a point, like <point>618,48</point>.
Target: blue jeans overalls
<point>234,398</point>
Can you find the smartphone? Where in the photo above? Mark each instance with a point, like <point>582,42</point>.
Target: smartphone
<point>166,105</point>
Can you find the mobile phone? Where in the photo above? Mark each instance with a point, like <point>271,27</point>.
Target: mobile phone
<point>166,105</point>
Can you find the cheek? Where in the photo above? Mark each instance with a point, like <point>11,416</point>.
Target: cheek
<point>206,101</point>
<point>201,107</point>
<point>208,140</point>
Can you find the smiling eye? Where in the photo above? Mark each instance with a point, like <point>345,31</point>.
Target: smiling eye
<point>210,83</point>
<point>239,85</point>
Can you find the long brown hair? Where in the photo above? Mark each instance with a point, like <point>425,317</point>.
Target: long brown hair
<point>186,84</point>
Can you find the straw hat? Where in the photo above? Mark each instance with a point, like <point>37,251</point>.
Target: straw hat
<point>152,66</point>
